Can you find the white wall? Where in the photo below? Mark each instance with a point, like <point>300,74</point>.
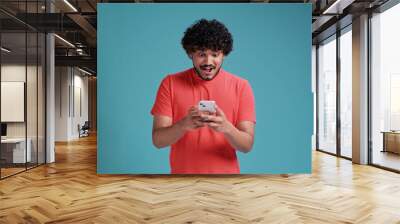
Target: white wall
<point>62,81</point>
<point>80,105</point>
<point>70,83</point>
<point>9,73</point>
<point>15,72</point>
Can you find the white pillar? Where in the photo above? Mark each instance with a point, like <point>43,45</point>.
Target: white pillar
<point>50,91</point>
<point>360,90</point>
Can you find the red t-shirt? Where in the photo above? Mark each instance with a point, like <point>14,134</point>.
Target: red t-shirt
<point>204,151</point>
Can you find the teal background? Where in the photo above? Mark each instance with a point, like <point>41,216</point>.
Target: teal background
<point>139,44</point>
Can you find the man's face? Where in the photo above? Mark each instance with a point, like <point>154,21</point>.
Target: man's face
<point>207,63</point>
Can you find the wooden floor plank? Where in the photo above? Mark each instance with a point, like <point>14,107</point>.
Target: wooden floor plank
<point>70,191</point>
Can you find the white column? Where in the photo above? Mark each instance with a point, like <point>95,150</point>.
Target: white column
<point>50,92</point>
<point>360,90</point>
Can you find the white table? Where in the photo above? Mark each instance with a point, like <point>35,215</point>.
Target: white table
<point>18,145</point>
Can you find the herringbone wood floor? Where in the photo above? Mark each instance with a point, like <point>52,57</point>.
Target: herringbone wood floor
<point>70,191</point>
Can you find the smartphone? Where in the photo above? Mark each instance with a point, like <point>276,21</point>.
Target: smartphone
<point>207,105</point>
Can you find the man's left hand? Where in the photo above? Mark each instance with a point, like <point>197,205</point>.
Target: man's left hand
<point>217,122</point>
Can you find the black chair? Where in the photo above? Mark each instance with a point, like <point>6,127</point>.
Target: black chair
<point>84,130</point>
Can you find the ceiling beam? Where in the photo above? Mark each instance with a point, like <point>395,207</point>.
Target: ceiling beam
<point>83,61</point>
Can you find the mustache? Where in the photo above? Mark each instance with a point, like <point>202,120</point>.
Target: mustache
<point>207,66</point>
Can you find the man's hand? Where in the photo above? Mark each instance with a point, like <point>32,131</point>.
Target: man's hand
<point>218,121</point>
<point>241,137</point>
<point>192,120</point>
<point>165,133</point>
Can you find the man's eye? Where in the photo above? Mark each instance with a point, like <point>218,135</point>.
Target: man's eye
<point>215,55</point>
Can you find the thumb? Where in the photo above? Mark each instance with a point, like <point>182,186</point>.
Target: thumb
<point>219,111</point>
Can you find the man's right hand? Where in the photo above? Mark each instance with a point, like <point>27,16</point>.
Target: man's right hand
<point>165,133</point>
<point>192,120</point>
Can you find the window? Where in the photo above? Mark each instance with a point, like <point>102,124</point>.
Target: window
<point>327,95</point>
<point>346,92</point>
<point>385,88</point>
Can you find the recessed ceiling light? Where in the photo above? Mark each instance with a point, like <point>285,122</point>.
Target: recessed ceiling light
<point>84,71</point>
<point>71,6</point>
<point>5,50</point>
<point>337,7</point>
<point>64,40</point>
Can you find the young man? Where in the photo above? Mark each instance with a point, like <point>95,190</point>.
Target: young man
<point>204,143</point>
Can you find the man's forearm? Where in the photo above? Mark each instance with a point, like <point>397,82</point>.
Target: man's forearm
<point>240,140</point>
<point>163,137</point>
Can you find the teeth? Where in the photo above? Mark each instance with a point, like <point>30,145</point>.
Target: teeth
<point>207,69</point>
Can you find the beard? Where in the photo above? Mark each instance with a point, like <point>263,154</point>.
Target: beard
<point>199,71</point>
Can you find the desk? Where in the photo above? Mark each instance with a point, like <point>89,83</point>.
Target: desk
<point>391,141</point>
<point>15,148</point>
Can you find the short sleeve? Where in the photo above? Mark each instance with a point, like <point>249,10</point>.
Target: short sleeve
<point>163,105</point>
<point>246,104</point>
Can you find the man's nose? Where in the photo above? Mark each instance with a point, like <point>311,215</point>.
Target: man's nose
<point>209,60</point>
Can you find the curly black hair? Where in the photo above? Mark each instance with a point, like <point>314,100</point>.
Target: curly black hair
<point>207,34</point>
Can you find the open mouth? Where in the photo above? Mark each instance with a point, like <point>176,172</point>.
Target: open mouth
<point>207,69</point>
<point>206,72</point>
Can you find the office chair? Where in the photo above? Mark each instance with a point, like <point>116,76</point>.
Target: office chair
<point>84,130</point>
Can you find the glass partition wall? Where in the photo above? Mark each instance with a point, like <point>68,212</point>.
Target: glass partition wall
<point>327,95</point>
<point>334,90</point>
<point>334,85</point>
<point>385,89</point>
<point>345,61</point>
<point>22,88</point>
